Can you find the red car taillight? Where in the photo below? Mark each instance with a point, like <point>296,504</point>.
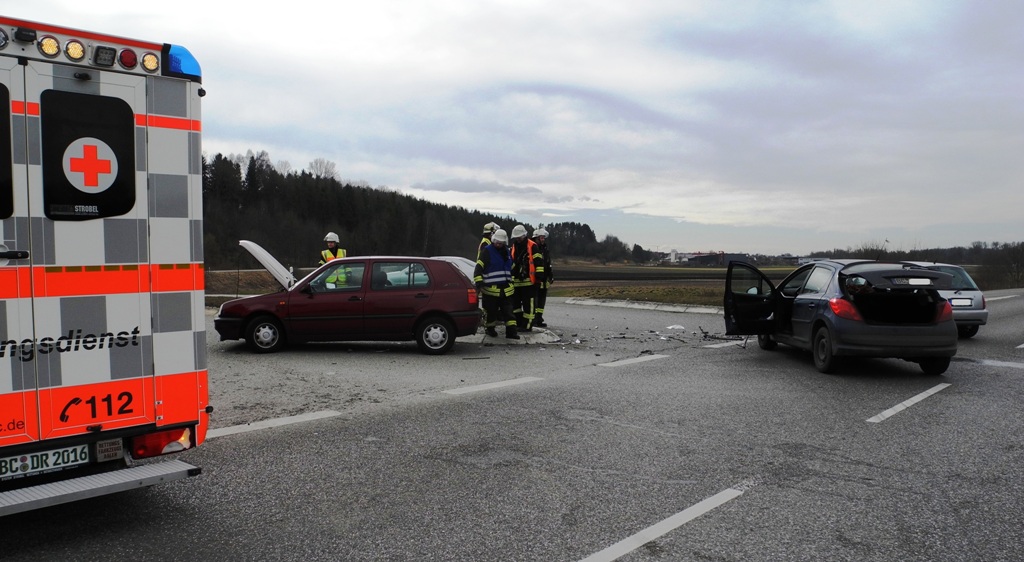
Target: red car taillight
<point>845,309</point>
<point>472,296</point>
<point>945,312</point>
<point>161,443</point>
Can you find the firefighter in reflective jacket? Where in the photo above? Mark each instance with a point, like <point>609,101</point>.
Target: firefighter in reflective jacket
<point>545,277</point>
<point>489,229</point>
<point>333,252</point>
<point>493,278</point>
<point>527,262</point>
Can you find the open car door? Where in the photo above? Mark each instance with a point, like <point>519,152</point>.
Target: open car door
<point>750,301</point>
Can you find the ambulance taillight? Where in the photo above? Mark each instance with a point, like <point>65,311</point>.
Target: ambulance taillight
<point>161,443</point>
<point>128,59</point>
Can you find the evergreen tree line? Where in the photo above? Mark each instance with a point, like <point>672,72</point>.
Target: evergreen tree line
<point>289,212</point>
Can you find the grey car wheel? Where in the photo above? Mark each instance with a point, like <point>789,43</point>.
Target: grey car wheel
<point>824,360</point>
<point>435,335</point>
<point>264,335</point>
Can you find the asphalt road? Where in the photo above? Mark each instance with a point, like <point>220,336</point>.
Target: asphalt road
<point>633,437</point>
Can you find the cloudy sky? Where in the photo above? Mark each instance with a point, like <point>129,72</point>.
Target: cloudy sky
<point>761,127</point>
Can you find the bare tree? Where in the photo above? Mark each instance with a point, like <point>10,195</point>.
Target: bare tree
<point>283,167</point>
<point>323,168</point>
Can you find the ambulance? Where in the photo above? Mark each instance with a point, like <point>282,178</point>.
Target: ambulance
<point>102,329</point>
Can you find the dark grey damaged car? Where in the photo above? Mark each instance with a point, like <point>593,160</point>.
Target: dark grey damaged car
<point>836,308</point>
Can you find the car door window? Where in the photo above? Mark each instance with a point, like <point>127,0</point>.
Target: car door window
<point>403,275</point>
<point>791,287</point>
<point>343,276</point>
<point>749,281</point>
<point>818,280</point>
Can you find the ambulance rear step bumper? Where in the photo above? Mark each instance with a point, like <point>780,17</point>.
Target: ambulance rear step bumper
<point>55,493</point>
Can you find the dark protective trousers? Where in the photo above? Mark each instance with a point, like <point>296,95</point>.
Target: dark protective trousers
<point>542,297</point>
<point>498,309</point>
<point>522,305</point>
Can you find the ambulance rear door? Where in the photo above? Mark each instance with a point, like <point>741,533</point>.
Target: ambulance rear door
<point>80,210</point>
<point>19,420</point>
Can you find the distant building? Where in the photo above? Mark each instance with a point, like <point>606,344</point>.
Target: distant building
<point>705,259</point>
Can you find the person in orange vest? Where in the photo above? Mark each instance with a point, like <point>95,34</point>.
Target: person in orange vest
<point>527,262</point>
<point>333,252</point>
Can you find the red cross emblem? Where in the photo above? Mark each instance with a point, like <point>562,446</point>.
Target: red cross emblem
<point>90,165</point>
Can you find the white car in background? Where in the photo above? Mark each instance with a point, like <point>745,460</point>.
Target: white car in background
<point>967,300</point>
<point>465,265</point>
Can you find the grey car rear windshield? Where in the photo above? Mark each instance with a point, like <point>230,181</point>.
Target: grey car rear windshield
<point>961,280</point>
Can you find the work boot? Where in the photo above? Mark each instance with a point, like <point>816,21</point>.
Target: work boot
<point>510,333</point>
<point>490,331</point>
<point>539,322</point>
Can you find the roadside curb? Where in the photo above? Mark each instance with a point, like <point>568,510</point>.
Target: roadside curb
<point>643,305</point>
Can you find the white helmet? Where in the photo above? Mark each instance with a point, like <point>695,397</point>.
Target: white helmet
<point>519,231</point>
<point>540,232</point>
<point>332,237</point>
<point>499,236</point>
<point>490,227</point>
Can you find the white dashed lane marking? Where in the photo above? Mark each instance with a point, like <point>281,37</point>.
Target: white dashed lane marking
<point>266,424</point>
<point>663,527</point>
<point>491,386</point>
<point>907,403</point>
<point>631,361</point>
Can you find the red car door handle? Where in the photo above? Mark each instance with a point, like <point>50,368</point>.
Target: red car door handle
<point>422,295</point>
<point>355,298</point>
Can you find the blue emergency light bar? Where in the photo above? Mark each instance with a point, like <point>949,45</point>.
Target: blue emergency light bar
<point>178,61</point>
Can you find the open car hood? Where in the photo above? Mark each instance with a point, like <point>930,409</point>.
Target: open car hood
<point>280,272</point>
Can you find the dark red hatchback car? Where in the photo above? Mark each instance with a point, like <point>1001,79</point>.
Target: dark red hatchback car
<point>373,298</point>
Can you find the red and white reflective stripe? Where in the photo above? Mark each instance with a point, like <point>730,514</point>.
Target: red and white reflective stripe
<point>164,122</point>
<point>19,107</point>
<point>82,34</point>
<point>23,108</point>
<point>70,281</point>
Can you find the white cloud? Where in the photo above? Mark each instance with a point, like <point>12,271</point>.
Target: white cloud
<point>817,124</point>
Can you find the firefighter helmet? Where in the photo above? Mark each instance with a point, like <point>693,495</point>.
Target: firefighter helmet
<point>519,231</point>
<point>332,237</point>
<point>499,236</point>
<point>490,227</point>
<point>540,232</point>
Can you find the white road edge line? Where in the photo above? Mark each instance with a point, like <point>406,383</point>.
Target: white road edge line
<point>631,361</point>
<point>663,527</point>
<point>908,403</point>
<point>490,386</point>
<point>725,344</point>
<point>266,424</point>
<point>994,363</point>
<point>1001,298</point>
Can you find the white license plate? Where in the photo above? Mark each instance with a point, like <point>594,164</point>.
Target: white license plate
<point>961,302</point>
<point>43,461</point>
